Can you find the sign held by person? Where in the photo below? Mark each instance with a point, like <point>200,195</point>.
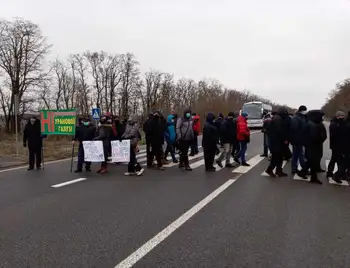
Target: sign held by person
<point>120,151</point>
<point>93,151</point>
<point>58,122</point>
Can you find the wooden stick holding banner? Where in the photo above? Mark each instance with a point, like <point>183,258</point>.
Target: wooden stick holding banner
<point>71,160</point>
<point>59,122</point>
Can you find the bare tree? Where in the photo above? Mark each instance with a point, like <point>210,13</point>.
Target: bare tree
<point>22,50</point>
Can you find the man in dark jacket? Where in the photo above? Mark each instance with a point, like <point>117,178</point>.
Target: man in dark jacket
<point>155,132</point>
<point>315,135</point>
<point>278,139</point>
<point>217,123</point>
<point>33,138</point>
<point>297,126</point>
<point>337,140</point>
<point>85,132</point>
<point>228,137</point>
<point>209,142</point>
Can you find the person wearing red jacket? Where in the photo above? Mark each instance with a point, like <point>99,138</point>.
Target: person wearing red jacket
<point>243,137</point>
<point>196,130</point>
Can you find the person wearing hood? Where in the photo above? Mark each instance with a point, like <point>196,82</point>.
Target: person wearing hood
<point>243,137</point>
<point>278,138</point>
<point>228,137</point>
<point>85,132</point>
<point>315,135</point>
<point>132,133</point>
<point>337,140</point>
<point>170,138</point>
<point>196,130</point>
<point>209,142</point>
<point>184,137</point>
<point>104,134</point>
<point>32,138</point>
<point>156,129</point>
<point>297,126</point>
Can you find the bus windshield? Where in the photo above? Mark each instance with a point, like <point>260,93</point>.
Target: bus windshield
<point>253,110</point>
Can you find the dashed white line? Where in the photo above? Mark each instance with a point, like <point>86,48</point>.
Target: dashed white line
<point>68,183</point>
<point>153,242</point>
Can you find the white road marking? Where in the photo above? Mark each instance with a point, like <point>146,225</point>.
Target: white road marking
<point>161,236</point>
<point>330,180</point>
<point>253,162</point>
<point>283,165</point>
<point>68,183</point>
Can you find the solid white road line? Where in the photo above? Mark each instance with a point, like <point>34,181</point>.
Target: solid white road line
<point>252,162</point>
<point>265,174</point>
<point>161,236</point>
<point>68,183</point>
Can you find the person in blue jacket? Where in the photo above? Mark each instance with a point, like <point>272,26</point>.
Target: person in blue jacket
<point>170,137</point>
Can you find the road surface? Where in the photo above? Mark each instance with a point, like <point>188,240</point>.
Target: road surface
<point>231,218</point>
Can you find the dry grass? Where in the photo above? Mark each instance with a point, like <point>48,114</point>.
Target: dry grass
<point>55,147</point>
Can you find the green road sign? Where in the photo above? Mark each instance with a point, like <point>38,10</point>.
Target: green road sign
<point>58,122</point>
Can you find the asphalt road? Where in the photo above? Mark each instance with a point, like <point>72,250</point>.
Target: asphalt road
<point>172,219</point>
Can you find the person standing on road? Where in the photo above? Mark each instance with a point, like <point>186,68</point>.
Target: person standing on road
<point>84,132</point>
<point>104,134</point>
<point>209,142</point>
<point>297,126</point>
<point>33,138</point>
<point>146,130</point>
<point>243,137</point>
<point>184,136</point>
<point>315,135</point>
<point>278,138</point>
<point>337,140</point>
<point>347,144</point>
<point>132,133</point>
<point>267,119</point>
<point>196,130</point>
<point>218,123</point>
<point>156,139</point>
<point>228,137</point>
<point>170,138</point>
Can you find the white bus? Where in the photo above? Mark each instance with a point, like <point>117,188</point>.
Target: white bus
<point>256,111</point>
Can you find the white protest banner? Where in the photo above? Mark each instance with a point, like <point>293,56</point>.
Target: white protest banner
<point>93,151</point>
<point>120,151</point>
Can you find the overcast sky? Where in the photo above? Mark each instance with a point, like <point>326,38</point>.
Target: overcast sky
<point>292,52</point>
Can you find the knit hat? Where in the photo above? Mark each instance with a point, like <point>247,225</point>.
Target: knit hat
<point>339,114</point>
<point>302,108</point>
<point>244,114</point>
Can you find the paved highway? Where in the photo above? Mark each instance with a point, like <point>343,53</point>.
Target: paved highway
<point>231,218</point>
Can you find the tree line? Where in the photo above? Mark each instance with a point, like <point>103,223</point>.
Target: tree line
<point>112,82</point>
<point>338,99</point>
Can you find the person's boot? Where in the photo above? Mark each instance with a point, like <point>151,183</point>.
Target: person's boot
<point>104,170</point>
<point>281,174</point>
<point>237,160</point>
<point>270,173</point>
<point>188,168</point>
<point>302,174</point>
<point>219,163</point>
<point>88,168</point>
<point>30,168</point>
<point>245,164</point>
<point>38,167</point>
<point>316,180</point>
<point>78,170</point>
<point>229,165</point>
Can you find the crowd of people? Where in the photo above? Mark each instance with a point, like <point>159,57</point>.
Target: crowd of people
<point>306,133</point>
<point>226,136</point>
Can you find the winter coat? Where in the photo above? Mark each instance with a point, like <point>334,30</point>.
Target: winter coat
<point>228,131</point>
<point>278,130</point>
<point>266,122</point>
<point>184,129</point>
<point>297,125</point>
<point>243,133</point>
<point>315,135</point>
<point>32,135</point>
<point>85,133</point>
<point>210,136</point>
<point>131,133</point>
<point>170,133</point>
<point>105,134</point>
<point>196,124</point>
<point>156,131</point>
<point>337,135</point>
